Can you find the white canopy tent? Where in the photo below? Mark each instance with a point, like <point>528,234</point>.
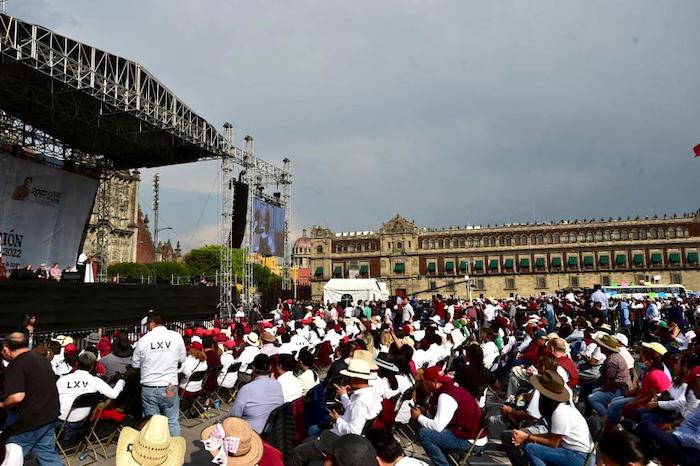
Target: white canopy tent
<point>365,289</point>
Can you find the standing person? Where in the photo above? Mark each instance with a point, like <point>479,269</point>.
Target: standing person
<point>624,313</point>
<point>31,396</point>
<point>158,354</point>
<point>599,296</point>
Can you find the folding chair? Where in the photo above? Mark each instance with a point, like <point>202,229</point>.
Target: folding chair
<point>226,395</point>
<point>204,402</point>
<point>461,458</point>
<point>190,397</point>
<point>95,438</point>
<point>369,423</point>
<point>68,449</point>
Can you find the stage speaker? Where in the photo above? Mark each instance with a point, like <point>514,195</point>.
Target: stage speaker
<point>71,277</point>
<point>240,212</point>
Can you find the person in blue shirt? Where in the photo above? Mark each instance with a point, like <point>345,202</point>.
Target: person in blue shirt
<point>623,309</point>
<point>549,314</point>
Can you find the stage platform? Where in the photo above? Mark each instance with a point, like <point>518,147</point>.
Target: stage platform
<point>77,305</point>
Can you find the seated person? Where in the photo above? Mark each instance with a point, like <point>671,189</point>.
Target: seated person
<point>196,361</point>
<point>284,373</point>
<point>120,357</point>
<point>361,406</point>
<point>565,440</point>
<point>389,450</point>
<point>71,386</point>
<point>682,444</point>
<point>227,379</point>
<point>259,397</point>
<point>456,418</point>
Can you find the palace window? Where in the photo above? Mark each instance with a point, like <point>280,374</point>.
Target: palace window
<point>319,249</point>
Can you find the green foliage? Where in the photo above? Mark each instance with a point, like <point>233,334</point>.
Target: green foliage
<point>205,261</point>
<point>129,269</point>
<point>168,269</point>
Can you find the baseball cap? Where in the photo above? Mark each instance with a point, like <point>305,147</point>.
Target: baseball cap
<point>435,374</point>
<point>197,346</point>
<point>693,375</point>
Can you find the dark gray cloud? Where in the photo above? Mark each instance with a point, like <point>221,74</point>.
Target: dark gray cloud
<point>434,109</point>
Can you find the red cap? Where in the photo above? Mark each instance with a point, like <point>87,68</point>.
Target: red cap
<point>197,345</point>
<point>208,332</point>
<point>188,332</point>
<point>70,348</point>
<point>217,323</point>
<point>693,375</point>
<point>230,344</point>
<point>306,321</point>
<point>199,331</point>
<point>220,338</point>
<point>215,331</point>
<point>434,374</point>
<point>290,301</point>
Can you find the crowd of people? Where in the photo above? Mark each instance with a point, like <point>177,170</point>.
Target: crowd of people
<point>577,378</point>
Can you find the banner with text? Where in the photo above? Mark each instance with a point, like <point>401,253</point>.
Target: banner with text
<point>43,211</point>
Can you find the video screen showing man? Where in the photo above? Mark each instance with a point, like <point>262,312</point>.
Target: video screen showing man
<point>268,229</point>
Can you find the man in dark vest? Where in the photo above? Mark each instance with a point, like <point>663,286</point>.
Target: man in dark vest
<point>455,418</point>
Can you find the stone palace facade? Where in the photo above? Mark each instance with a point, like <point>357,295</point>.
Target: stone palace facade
<point>513,259</point>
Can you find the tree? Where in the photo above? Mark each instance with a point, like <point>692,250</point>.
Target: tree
<point>168,269</point>
<point>206,260</point>
<point>129,270</point>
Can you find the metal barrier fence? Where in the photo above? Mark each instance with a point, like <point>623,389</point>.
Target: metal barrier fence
<point>134,332</point>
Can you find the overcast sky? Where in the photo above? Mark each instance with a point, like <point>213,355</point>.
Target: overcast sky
<point>447,112</point>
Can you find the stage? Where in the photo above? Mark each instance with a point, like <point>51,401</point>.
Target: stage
<point>62,305</point>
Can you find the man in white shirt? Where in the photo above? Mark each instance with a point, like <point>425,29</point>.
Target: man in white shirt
<point>158,354</point>
<point>407,313</point>
<point>291,387</point>
<point>456,418</point>
<point>361,406</point>
<point>80,382</point>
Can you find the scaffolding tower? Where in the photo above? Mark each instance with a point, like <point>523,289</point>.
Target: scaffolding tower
<point>226,279</point>
<point>253,180</point>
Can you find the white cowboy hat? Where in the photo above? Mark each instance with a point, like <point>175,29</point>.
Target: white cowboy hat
<point>251,338</point>
<point>359,369</point>
<point>152,446</point>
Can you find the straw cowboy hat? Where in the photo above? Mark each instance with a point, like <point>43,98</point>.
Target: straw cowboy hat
<point>551,385</point>
<point>608,341</point>
<point>656,347</point>
<point>251,339</point>
<point>233,443</point>
<point>153,446</point>
<point>364,355</point>
<point>359,369</point>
